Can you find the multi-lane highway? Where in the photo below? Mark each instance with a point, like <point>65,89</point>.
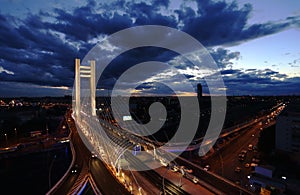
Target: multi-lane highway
<point>83,165</point>
<point>103,178</point>
<point>225,160</point>
<point>154,177</point>
<point>222,163</point>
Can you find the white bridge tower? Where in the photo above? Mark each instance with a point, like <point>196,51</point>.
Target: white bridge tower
<point>85,72</point>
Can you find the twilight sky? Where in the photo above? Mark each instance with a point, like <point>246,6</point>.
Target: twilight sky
<point>256,44</point>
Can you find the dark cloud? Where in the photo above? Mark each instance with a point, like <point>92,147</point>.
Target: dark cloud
<point>221,22</point>
<point>189,76</point>
<point>259,82</point>
<point>40,48</point>
<point>83,23</point>
<point>9,37</point>
<point>294,20</point>
<point>223,56</point>
<point>131,58</point>
<point>17,89</point>
<point>155,88</point>
<point>229,71</point>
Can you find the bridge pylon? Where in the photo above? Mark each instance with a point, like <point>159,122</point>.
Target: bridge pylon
<point>85,72</point>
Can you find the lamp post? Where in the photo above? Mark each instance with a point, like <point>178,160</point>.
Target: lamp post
<point>47,130</point>
<point>16,134</point>
<point>6,139</point>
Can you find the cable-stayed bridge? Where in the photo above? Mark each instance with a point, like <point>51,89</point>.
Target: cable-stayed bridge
<point>114,144</point>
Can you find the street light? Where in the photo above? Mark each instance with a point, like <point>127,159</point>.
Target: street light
<point>6,139</point>
<point>47,130</point>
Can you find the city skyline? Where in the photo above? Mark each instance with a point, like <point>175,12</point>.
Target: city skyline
<point>254,44</point>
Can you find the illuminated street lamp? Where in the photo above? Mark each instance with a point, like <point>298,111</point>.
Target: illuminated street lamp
<point>6,138</point>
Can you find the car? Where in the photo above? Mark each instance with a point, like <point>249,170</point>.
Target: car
<point>185,169</point>
<point>244,152</point>
<point>238,169</point>
<point>74,171</point>
<point>255,160</point>
<point>253,165</point>
<point>188,170</point>
<point>207,167</point>
<point>74,168</point>
<point>255,150</point>
<point>175,168</point>
<point>247,165</point>
<point>250,147</point>
<point>241,157</point>
<point>195,179</point>
<point>94,155</point>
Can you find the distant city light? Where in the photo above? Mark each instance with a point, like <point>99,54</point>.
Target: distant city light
<point>127,118</point>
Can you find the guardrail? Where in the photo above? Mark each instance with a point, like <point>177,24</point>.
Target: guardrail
<point>214,179</point>
<point>87,179</point>
<point>94,185</point>
<point>52,190</point>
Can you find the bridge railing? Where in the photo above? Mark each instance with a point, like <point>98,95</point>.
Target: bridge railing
<point>54,188</point>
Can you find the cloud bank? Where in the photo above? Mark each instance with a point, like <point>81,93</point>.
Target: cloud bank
<point>39,49</point>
